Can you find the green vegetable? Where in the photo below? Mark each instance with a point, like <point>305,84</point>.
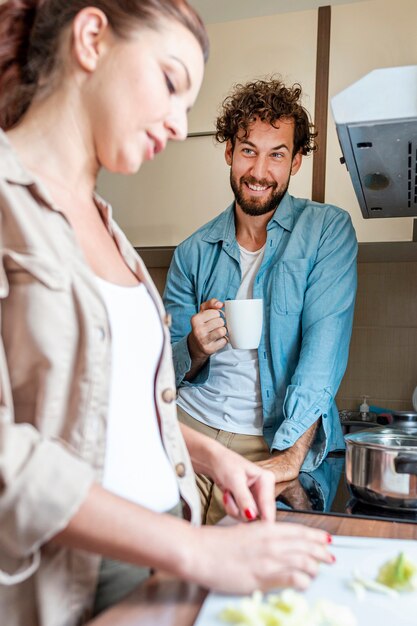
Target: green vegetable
<point>288,608</point>
<point>399,573</point>
<point>373,585</point>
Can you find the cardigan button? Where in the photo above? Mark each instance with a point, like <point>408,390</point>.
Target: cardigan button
<point>180,470</point>
<point>168,395</point>
<point>101,333</point>
<point>168,320</point>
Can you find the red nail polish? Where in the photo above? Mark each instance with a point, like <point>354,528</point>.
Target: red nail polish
<point>225,497</point>
<point>329,538</point>
<point>249,514</point>
<point>333,558</point>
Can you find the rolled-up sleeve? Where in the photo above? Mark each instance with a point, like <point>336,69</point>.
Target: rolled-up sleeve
<point>42,484</point>
<point>42,487</point>
<point>327,319</point>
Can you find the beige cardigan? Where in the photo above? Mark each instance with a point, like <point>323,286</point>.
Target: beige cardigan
<point>54,373</point>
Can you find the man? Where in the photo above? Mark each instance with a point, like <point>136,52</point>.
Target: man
<point>274,405</point>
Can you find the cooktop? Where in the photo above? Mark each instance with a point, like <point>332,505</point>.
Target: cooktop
<point>325,491</point>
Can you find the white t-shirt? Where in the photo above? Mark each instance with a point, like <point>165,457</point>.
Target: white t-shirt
<point>231,399</point>
<point>136,465</point>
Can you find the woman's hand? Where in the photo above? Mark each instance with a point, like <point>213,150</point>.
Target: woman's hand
<point>233,559</point>
<point>262,555</point>
<point>248,490</point>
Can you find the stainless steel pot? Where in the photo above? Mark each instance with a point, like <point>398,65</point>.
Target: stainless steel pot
<point>404,419</point>
<point>381,466</point>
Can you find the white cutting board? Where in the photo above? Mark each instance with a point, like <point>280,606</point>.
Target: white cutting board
<point>363,553</point>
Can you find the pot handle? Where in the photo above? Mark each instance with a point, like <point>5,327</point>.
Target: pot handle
<point>406,464</point>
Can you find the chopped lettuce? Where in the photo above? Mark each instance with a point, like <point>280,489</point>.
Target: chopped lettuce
<point>394,576</point>
<point>288,608</point>
<point>399,574</point>
<point>360,582</point>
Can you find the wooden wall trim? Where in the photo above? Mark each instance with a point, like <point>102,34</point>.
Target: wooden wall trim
<point>387,252</point>
<point>378,252</point>
<point>156,256</point>
<point>321,102</point>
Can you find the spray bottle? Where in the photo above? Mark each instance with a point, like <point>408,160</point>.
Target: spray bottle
<point>364,408</point>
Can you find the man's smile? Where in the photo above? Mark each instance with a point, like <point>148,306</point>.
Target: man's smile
<point>257,187</point>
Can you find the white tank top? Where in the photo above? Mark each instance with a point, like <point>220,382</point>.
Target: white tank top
<point>136,465</point>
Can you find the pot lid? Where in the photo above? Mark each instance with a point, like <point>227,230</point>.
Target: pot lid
<point>386,437</point>
<point>405,418</point>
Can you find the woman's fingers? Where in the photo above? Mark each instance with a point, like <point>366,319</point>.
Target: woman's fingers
<point>300,531</point>
<point>230,505</point>
<point>244,500</point>
<point>294,549</point>
<point>253,492</point>
<point>265,555</point>
<point>299,559</point>
<point>296,579</point>
<point>263,490</point>
<point>298,576</point>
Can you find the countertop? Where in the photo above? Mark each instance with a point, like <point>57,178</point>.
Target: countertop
<point>167,601</point>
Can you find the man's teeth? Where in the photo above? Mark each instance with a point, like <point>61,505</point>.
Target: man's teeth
<point>257,187</point>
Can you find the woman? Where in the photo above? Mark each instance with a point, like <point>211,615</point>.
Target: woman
<point>87,385</point>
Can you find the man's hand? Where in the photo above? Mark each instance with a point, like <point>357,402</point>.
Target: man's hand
<point>207,336</point>
<point>293,494</point>
<point>286,464</point>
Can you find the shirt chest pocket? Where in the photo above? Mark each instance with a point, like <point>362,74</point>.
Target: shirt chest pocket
<point>27,268</point>
<point>289,284</point>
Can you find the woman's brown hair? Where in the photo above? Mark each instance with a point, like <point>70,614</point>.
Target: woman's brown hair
<point>269,101</point>
<point>30,37</point>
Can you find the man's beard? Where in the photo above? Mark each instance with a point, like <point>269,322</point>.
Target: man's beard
<point>256,206</point>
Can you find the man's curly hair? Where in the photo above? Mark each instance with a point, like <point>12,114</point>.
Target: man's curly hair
<point>269,101</point>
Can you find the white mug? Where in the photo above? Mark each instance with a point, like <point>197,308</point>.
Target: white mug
<point>244,322</point>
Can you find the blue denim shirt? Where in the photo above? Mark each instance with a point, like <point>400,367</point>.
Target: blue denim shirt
<point>308,282</point>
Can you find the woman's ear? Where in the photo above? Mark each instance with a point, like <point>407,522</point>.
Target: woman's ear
<point>89,27</point>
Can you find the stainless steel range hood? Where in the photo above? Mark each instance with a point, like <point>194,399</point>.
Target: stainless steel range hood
<point>376,122</point>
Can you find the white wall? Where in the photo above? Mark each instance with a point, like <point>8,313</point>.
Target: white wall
<point>188,185</point>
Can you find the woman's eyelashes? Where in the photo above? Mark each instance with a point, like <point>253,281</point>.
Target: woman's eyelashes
<point>170,85</point>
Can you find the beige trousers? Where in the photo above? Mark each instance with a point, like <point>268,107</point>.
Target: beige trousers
<point>252,447</point>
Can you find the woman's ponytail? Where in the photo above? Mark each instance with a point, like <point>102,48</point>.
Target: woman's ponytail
<point>17,87</point>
